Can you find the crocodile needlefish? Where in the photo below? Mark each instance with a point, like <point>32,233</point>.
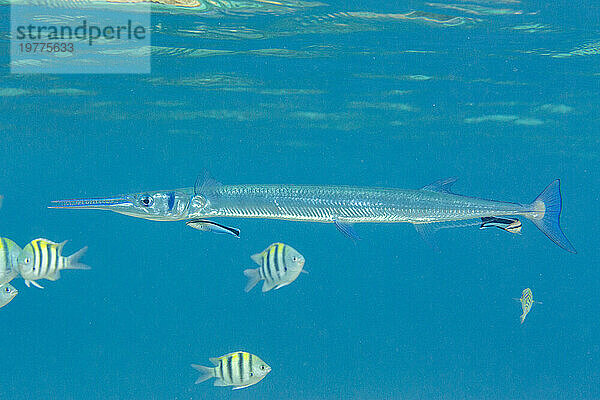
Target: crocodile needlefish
<point>425,208</point>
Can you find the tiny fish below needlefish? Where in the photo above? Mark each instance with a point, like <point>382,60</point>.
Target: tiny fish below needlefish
<point>511,225</point>
<point>9,252</point>
<point>279,265</point>
<point>527,302</point>
<point>210,226</point>
<point>238,369</point>
<point>7,293</point>
<point>42,259</point>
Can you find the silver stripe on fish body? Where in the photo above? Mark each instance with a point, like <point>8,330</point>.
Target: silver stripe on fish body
<point>350,204</point>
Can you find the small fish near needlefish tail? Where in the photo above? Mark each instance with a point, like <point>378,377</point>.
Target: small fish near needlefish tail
<point>42,259</point>
<point>279,265</point>
<point>238,369</point>
<point>511,225</point>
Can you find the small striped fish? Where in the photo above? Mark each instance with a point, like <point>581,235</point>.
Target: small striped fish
<point>9,252</point>
<point>238,369</point>
<point>280,265</point>
<point>7,293</point>
<point>526,302</point>
<point>42,259</point>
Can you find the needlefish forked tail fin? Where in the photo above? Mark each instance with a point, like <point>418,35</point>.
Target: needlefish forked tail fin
<point>546,215</point>
<point>544,212</point>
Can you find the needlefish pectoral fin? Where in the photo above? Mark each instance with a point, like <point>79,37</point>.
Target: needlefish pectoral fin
<point>210,226</point>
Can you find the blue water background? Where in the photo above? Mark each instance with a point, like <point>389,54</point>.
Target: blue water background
<point>386,318</point>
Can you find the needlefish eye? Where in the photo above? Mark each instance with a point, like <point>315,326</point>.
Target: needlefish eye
<point>146,200</point>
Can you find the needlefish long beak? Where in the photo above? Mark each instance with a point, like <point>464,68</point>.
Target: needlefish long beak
<point>94,203</point>
<point>168,205</point>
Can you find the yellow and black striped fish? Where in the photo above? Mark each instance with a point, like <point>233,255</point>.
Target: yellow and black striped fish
<point>238,369</point>
<point>9,252</point>
<point>280,265</point>
<point>42,259</point>
<point>526,302</point>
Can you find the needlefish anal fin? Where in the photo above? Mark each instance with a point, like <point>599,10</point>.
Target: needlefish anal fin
<point>427,230</point>
<point>210,226</point>
<point>442,185</point>
<point>347,229</point>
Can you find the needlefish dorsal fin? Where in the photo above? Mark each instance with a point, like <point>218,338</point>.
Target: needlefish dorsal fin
<point>442,185</point>
<point>205,184</point>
